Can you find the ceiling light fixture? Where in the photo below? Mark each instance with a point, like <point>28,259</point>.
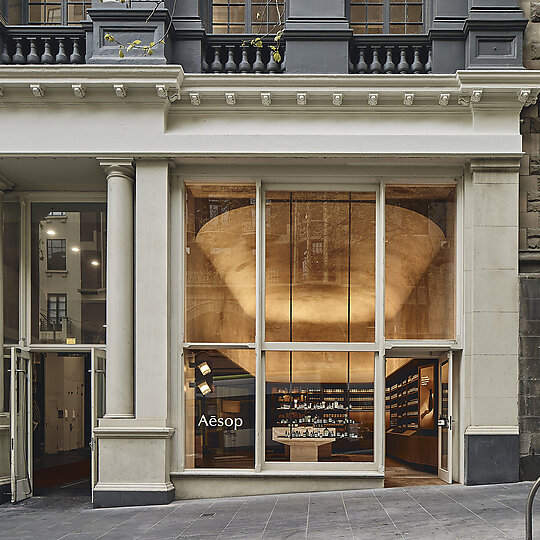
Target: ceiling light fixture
<point>94,263</point>
<point>204,388</point>
<point>204,368</point>
<point>76,249</point>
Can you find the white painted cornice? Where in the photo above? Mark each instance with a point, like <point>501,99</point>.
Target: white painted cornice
<point>473,89</point>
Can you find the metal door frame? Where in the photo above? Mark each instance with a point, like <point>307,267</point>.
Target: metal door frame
<point>445,421</point>
<point>95,372</point>
<point>24,353</point>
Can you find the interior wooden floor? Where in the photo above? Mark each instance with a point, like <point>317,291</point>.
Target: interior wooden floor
<point>399,474</point>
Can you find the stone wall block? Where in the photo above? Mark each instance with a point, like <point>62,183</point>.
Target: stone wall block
<point>529,368</point>
<point>534,123</point>
<point>533,201</point>
<point>535,11</point>
<point>533,238</point>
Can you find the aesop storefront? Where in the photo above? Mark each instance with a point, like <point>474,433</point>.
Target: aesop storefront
<point>291,293</point>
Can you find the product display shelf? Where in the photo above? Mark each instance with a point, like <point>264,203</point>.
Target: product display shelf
<point>402,403</point>
<point>327,410</point>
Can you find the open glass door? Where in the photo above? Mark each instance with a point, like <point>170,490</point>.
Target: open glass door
<point>21,424</point>
<point>5,430</point>
<point>97,406</point>
<point>445,417</point>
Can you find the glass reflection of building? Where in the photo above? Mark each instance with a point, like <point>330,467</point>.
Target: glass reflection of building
<point>68,273</point>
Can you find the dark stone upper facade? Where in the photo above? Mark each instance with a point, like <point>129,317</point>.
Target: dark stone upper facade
<point>317,38</point>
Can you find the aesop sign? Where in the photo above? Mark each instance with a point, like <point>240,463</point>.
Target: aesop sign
<point>214,421</point>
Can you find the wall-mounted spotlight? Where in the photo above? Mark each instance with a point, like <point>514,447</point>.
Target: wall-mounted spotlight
<point>50,232</point>
<point>75,249</point>
<point>204,368</point>
<point>95,263</point>
<point>204,387</point>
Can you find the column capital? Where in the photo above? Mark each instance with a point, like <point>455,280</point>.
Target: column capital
<point>118,167</point>
<point>506,164</point>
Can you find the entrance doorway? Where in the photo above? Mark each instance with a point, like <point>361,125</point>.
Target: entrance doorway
<point>61,422</point>
<point>417,421</point>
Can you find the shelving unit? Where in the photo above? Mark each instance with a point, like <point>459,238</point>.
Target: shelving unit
<point>404,438</point>
<point>402,403</point>
<point>307,409</point>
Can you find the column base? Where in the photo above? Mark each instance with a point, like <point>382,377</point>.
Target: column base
<point>112,495</point>
<point>491,455</point>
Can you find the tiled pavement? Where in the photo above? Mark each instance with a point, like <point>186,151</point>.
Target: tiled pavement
<point>434,512</point>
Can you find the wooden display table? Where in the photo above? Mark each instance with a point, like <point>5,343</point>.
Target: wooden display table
<point>303,449</point>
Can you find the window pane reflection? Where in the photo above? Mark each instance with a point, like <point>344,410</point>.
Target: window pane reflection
<point>319,406</point>
<point>220,408</point>
<point>68,273</point>
<point>320,266</point>
<point>420,262</point>
<point>12,217</point>
<point>220,264</point>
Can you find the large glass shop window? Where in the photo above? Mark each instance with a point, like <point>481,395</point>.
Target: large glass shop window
<point>420,263</point>
<point>68,243</point>
<point>319,406</point>
<point>220,408</point>
<point>320,266</point>
<point>220,263</point>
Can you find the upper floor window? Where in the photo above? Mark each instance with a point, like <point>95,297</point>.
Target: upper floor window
<point>57,12</point>
<point>247,16</point>
<point>56,254</point>
<point>366,16</point>
<point>387,16</point>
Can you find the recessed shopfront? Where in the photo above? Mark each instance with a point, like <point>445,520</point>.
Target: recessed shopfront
<point>293,296</point>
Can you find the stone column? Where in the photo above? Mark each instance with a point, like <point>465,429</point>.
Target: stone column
<point>447,36</point>
<point>489,391</point>
<point>119,367</point>
<point>152,289</point>
<point>317,34</point>
<point>189,34</point>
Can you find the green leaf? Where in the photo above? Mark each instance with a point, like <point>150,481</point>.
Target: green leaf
<point>137,42</point>
<point>121,53</point>
<point>150,52</point>
<point>257,42</point>
<point>277,56</point>
<point>129,47</point>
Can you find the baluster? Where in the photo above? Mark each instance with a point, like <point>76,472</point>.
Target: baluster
<point>272,66</point>
<point>47,57</point>
<point>230,66</point>
<point>205,68</point>
<point>258,65</point>
<point>389,66</point>
<point>244,66</point>
<point>284,60</point>
<point>403,66</point>
<point>4,57</point>
<point>351,65</point>
<point>429,65</point>
<point>216,66</point>
<point>32,57</point>
<point>61,57</point>
<point>18,57</point>
<point>361,67</point>
<point>375,66</point>
<point>75,57</point>
<point>417,65</point>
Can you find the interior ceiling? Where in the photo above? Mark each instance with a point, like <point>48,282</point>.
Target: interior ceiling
<point>413,241</point>
<point>53,174</point>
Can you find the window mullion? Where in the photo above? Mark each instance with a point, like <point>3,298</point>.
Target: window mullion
<point>386,17</point>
